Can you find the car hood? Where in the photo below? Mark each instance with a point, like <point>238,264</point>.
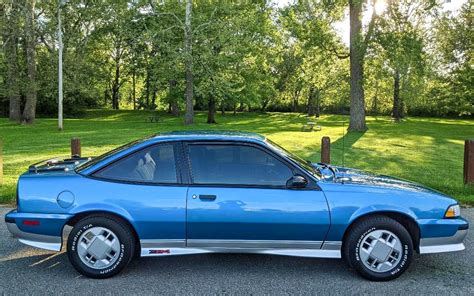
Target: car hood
<point>360,177</point>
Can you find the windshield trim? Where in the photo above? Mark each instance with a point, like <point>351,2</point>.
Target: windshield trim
<point>296,159</point>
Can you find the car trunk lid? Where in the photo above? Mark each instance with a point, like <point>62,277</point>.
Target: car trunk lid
<point>57,165</point>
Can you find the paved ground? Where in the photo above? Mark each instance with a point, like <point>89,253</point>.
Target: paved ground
<point>25,270</point>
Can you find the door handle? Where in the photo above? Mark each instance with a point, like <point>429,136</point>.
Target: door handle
<point>207,197</point>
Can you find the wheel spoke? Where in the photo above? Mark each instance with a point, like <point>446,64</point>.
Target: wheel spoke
<point>380,250</point>
<point>98,247</point>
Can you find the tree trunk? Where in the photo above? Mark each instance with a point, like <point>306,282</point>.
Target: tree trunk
<point>115,88</point>
<point>235,108</point>
<point>147,88</point>
<point>188,39</point>
<point>11,58</point>
<point>211,114</point>
<point>222,108</point>
<point>375,105</point>
<point>265,103</point>
<point>29,111</point>
<point>311,101</point>
<point>357,52</point>
<point>318,103</point>
<point>134,89</point>
<point>154,96</point>
<point>296,94</point>
<point>396,114</point>
<point>402,108</point>
<point>116,82</point>
<point>374,109</point>
<point>174,106</point>
<point>106,95</point>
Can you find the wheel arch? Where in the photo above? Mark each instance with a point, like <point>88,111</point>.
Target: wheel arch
<point>405,219</point>
<point>81,215</point>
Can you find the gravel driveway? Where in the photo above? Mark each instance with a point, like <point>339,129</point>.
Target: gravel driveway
<point>25,270</point>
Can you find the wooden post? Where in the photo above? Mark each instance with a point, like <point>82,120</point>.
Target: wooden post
<point>325,150</point>
<point>75,147</point>
<point>469,162</point>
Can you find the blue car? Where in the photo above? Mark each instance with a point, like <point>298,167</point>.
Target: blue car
<point>212,192</point>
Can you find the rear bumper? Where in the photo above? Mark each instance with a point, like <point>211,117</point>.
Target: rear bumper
<point>47,235</point>
<point>41,241</point>
<point>444,244</point>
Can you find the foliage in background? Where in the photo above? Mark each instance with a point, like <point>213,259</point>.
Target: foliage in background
<point>249,55</point>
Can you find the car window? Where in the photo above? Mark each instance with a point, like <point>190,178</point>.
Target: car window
<point>151,165</point>
<point>236,165</point>
<point>104,156</point>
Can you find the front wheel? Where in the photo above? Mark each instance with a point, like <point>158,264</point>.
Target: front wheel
<point>379,248</point>
<point>100,246</point>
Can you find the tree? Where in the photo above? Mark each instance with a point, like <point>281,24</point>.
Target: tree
<point>11,14</point>
<point>29,111</point>
<point>400,36</point>
<point>232,34</point>
<point>188,52</point>
<point>454,51</point>
<point>358,48</point>
<point>208,55</point>
<point>316,52</point>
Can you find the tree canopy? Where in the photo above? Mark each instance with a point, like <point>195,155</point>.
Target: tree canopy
<point>413,58</point>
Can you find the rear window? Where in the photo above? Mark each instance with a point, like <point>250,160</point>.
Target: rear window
<point>155,164</point>
<point>100,158</point>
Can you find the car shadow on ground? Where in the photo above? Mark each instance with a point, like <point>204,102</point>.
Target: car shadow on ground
<point>226,274</point>
<point>26,260</point>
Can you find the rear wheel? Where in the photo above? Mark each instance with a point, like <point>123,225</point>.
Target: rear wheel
<point>100,246</point>
<point>379,248</point>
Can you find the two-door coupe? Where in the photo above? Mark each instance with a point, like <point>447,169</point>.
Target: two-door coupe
<point>202,192</point>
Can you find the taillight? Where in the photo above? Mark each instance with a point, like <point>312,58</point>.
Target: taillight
<point>31,222</point>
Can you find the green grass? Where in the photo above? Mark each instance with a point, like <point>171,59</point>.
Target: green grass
<point>425,150</point>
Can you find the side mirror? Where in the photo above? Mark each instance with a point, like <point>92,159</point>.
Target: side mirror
<point>297,181</point>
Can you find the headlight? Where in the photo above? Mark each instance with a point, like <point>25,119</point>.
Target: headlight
<point>453,211</point>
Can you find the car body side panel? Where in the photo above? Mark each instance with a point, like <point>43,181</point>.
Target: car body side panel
<point>349,202</point>
<point>257,214</point>
<point>154,211</point>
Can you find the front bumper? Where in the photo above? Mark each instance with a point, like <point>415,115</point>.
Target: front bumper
<point>47,235</point>
<point>444,244</point>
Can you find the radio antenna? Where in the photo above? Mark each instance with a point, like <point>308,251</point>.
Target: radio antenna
<point>343,137</point>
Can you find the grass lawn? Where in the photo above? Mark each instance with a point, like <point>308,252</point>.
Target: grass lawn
<point>426,150</point>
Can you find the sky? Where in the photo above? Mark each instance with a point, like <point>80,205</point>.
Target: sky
<point>342,27</point>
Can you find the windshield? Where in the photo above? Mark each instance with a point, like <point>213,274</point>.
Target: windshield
<point>98,159</point>
<point>301,162</point>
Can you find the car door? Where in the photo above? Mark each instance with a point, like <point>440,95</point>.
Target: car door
<point>238,198</point>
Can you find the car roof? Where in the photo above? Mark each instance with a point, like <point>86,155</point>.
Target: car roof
<point>173,136</point>
<point>209,135</point>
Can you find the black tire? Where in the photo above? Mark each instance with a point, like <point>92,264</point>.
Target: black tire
<point>119,228</point>
<point>354,239</point>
